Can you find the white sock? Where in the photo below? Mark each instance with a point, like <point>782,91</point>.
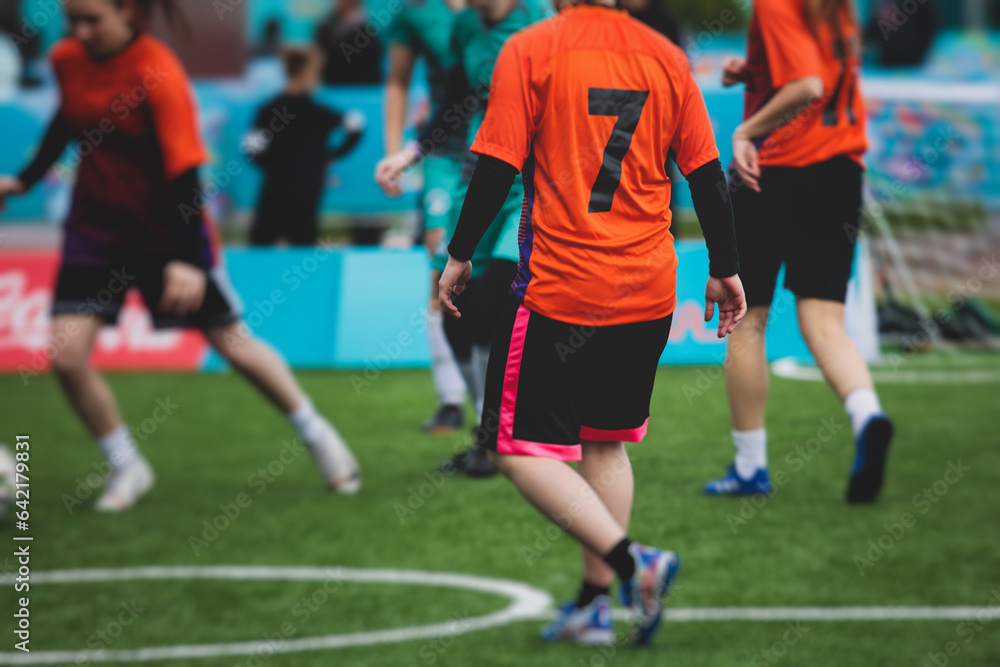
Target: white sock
<point>751,451</point>
<point>118,447</point>
<point>308,423</point>
<point>332,455</point>
<point>447,378</point>
<point>862,405</point>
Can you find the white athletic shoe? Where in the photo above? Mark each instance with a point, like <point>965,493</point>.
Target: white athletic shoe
<point>335,460</point>
<point>125,486</point>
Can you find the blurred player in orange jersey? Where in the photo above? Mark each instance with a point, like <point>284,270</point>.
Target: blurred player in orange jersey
<point>135,222</point>
<point>797,201</point>
<point>589,106</point>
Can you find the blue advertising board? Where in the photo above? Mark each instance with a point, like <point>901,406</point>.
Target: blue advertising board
<point>969,170</point>
<point>365,309</point>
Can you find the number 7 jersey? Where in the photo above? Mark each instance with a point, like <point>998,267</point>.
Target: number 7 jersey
<point>590,105</point>
<point>782,47</point>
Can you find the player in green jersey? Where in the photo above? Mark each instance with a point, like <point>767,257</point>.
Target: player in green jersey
<point>423,30</point>
<point>478,34</point>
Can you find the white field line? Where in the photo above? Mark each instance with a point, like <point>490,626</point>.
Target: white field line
<point>791,369</point>
<point>884,88</point>
<point>527,603</point>
<point>696,614</point>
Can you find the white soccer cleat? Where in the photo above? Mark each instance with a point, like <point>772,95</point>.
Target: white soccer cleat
<point>335,460</point>
<point>125,486</point>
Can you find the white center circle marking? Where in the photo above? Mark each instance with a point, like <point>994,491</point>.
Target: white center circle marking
<point>526,603</point>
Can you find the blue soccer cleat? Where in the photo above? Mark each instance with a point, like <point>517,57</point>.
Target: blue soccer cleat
<point>644,593</point>
<point>734,485</point>
<point>868,470</point>
<point>587,626</point>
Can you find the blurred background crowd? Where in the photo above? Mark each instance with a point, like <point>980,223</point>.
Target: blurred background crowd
<point>931,75</point>
<point>918,53</point>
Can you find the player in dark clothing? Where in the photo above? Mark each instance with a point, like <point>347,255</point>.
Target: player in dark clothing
<point>657,16</point>
<point>289,143</point>
<point>353,55</point>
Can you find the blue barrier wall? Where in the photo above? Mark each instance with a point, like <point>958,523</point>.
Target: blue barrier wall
<point>226,112</point>
<point>903,132</point>
<point>365,309</point>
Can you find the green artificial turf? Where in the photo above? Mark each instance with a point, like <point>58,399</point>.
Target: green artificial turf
<point>799,548</point>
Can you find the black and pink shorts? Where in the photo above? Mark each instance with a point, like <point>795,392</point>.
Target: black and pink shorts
<point>551,384</point>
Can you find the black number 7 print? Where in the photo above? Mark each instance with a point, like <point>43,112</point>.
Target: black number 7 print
<point>846,79</point>
<point>627,106</point>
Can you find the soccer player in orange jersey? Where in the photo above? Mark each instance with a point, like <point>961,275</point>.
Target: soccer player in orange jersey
<point>589,106</point>
<point>797,201</point>
<point>135,221</point>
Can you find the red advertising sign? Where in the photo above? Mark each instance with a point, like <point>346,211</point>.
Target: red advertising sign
<point>27,283</point>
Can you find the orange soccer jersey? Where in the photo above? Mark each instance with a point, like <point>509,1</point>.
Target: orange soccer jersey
<point>135,117</point>
<point>590,105</point>
<point>783,47</point>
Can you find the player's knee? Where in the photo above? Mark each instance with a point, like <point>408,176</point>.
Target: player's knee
<point>233,343</point>
<point>820,334</point>
<point>749,333</point>
<point>820,317</point>
<point>754,324</point>
<point>237,352</point>
<point>69,361</point>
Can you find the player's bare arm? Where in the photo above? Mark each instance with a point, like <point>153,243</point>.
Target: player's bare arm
<point>790,101</point>
<point>734,71</point>
<point>397,94</point>
<point>9,186</point>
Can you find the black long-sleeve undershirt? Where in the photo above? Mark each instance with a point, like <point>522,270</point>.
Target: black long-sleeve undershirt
<point>187,222</point>
<point>492,180</point>
<point>186,218</point>
<point>490,184</point>
<point>57,137</point>
<point>710,194</point>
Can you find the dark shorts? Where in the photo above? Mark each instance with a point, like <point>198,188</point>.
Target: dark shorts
<point>94,291</point>
<point>480,304</point>
<point>551,384</point>
<point>806,218</point>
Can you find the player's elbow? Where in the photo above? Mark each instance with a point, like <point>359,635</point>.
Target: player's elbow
<point>810,89</point>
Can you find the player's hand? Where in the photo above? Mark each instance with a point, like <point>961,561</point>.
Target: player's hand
<point>183,288</point>
<point>728,293</point>
<point>734,71</point>
<point>745,160</point>
<point>389,171</point>
<point>455,277</point>
<point>9,186</point>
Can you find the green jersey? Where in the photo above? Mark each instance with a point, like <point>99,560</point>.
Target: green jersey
<point>425,27</point>
<point>477,46</point>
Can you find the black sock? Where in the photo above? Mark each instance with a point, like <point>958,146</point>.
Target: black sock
<point>621,560</point>
<point>588,592</point>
